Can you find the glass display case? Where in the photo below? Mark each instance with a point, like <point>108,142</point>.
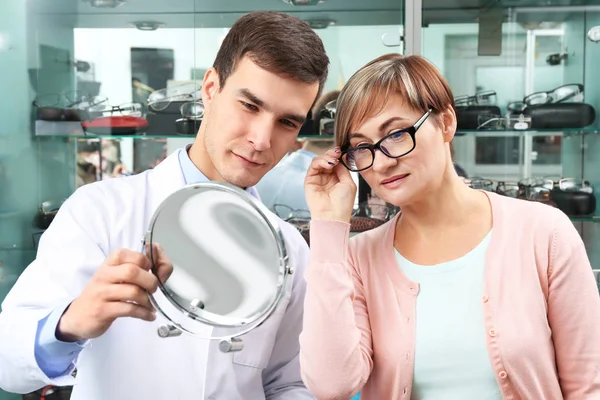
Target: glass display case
<point>525,81</point>
<point>77,76</point>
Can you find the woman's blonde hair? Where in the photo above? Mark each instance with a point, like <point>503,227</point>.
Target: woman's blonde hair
<point>366,93</point>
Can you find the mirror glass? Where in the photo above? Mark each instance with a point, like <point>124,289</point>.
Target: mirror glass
<point>228,258</point>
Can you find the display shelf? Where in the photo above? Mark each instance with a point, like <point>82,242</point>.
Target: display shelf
<point>586,218</point>
<point>154,136</point>
<point>533,132</point>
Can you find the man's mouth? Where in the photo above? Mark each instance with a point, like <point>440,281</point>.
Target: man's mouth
<point>248,162</point>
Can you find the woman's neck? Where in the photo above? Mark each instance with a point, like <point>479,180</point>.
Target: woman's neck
<point>446,209</point>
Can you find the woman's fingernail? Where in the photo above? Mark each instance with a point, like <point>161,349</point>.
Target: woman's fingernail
<point>329,162</point>
<point>337,150</point>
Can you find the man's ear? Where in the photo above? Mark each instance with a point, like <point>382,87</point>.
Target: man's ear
<point>210,86</point>
<point>448,120</point>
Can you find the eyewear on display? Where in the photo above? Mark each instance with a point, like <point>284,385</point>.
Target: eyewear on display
<point>510,189</point>
<point>570,184</point>
<point>533,188</point>
<point>329,110</point>
<point>161,99</point>
<point>192,110</point>
<point>562,93</point>
<point>52,107</point>
<point>131,109</point>
<point>227,263</point>
<point>394,145</point>
<point>286,212</point>
<point>484,97</point>
<point>72,98</point>
<point>479,183</point>
<point>376,211</point>
<point>516,106</point>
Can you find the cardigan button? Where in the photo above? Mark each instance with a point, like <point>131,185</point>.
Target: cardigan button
<point>485,298</point>
<point>492,332</point>
<point>503,374</point>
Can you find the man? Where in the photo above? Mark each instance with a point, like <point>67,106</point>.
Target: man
<point>83,301</point>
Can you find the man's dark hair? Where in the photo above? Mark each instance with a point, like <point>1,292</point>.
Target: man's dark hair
<point>276,42</point>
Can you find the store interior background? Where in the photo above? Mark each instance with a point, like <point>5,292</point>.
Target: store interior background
<point>35,33</point>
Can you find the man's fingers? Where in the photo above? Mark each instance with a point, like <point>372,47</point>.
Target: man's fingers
<point>128,292</point>
<point>162,264</point>
<point>124,256</point>
<point>119,309</point>
<point>133,274</point>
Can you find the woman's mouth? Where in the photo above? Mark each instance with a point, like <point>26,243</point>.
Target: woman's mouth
<point>394,181</point>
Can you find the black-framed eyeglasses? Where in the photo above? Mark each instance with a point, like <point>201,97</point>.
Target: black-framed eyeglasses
<point>394,145</point>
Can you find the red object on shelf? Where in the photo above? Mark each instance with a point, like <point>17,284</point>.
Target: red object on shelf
<point>116,125</point>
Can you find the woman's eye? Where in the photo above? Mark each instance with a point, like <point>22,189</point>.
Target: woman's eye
<point>398,135</point>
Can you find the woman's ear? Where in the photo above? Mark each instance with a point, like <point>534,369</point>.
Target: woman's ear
<point>210,86</point>
<point>448,120</point>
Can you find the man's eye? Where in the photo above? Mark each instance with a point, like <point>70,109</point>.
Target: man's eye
<point>249,106</point>
<point>288,123</point>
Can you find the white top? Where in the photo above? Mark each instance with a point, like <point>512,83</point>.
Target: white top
<point>451,358</point>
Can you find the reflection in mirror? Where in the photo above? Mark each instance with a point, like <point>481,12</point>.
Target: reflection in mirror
<point>217,258</point>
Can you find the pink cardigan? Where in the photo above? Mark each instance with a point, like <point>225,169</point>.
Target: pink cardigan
<point>541,305</point>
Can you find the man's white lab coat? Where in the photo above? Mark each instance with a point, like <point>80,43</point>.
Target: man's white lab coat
<point>130,361</point>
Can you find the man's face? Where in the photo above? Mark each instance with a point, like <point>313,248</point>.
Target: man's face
<point>251,123</point>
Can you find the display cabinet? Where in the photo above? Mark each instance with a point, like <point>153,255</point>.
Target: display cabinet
<point>68,64</point>
<point>524,76</point>
<point>76,77</point>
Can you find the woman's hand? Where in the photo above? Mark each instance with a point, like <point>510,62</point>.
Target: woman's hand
<point>329,188</point>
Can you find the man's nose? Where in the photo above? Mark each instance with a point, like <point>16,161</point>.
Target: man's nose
<point>260,136</point>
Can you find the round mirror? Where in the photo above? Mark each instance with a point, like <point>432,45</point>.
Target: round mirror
<point>220,259</point>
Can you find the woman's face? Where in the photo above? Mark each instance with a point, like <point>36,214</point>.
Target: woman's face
<point>405,180</point>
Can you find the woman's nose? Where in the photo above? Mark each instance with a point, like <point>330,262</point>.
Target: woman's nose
<point>382,163</point>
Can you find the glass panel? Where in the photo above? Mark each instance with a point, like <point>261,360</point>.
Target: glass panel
<point>74,68</point>
<point>542,66</point>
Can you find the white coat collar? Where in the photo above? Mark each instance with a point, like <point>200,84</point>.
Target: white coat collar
<point>167,177</point>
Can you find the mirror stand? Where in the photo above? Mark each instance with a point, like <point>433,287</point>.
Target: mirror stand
<point>229,345</point>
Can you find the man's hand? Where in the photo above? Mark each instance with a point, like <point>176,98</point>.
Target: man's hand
<point>119,288</point>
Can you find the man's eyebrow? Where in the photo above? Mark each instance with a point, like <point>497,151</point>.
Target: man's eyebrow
<point>254,99</point>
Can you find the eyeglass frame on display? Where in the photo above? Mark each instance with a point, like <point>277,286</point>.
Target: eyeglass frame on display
<point>466,100</point>
<point>190,96</point>
<point>293,213</point>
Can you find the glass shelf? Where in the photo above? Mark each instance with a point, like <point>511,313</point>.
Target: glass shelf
<point>154,136</point>
<point>515,132</point>
<point>586,218</point>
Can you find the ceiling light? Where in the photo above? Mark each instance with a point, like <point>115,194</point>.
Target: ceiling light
<point>320,23</point>
<point>303,2</point>
<point>147,25</point>
<point>105,3</point>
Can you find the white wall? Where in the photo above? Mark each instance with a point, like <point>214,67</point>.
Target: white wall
<point>109,50</point>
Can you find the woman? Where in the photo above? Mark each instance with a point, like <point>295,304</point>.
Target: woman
<point>465,294</point>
